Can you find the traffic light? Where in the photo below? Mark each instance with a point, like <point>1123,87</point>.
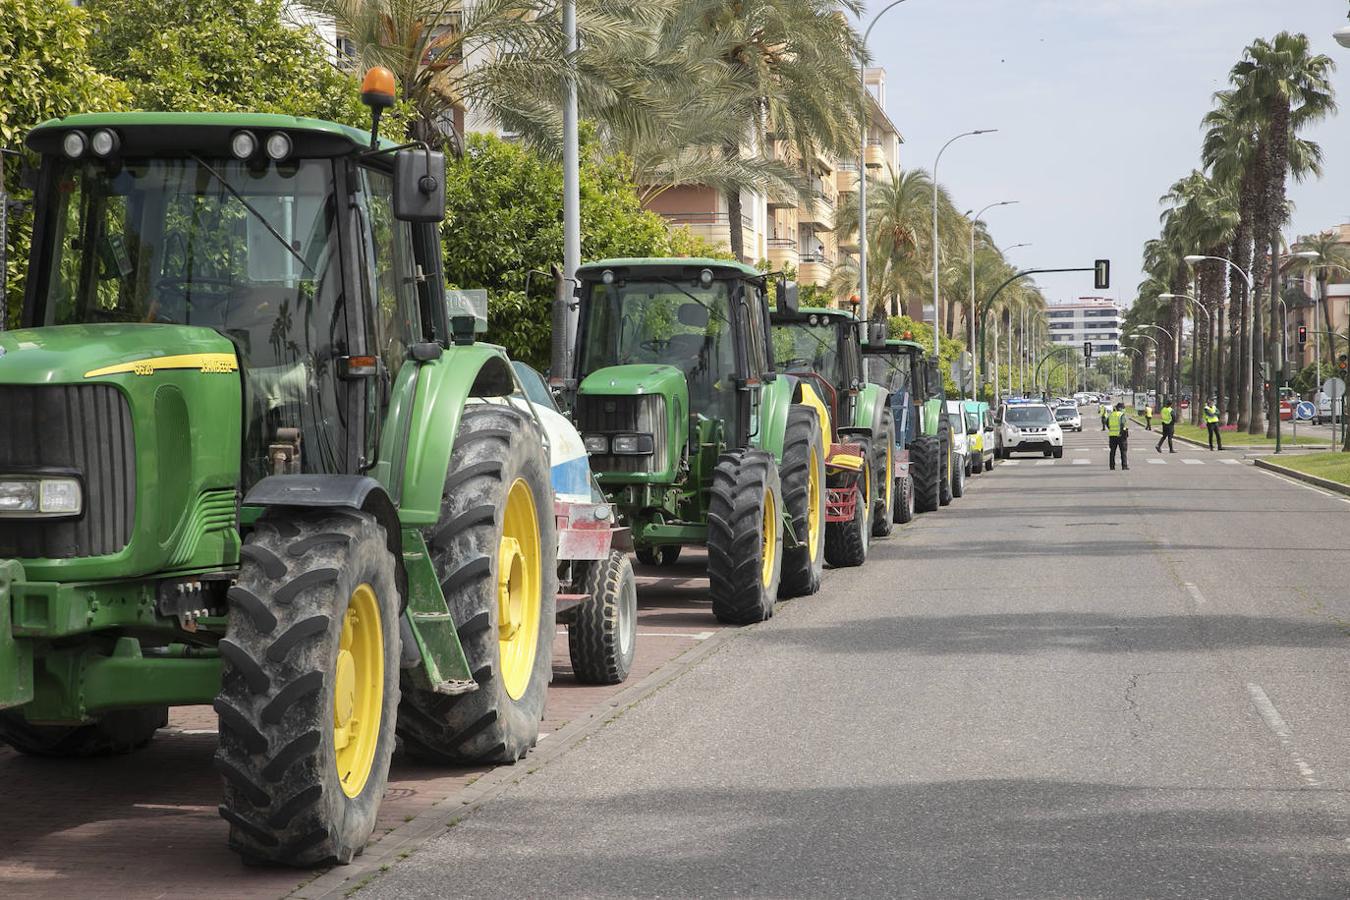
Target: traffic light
<point>1101,272</point>
<point>1087,349</point>
<point>1302,335</point>
<point>1341,363</point>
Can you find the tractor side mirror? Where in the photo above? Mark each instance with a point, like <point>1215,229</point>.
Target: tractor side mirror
<point>419,185</point>
<point>788,302</point>
<point>876,335</point>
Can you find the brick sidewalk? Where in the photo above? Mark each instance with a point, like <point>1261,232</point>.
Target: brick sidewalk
<point>145,825</point>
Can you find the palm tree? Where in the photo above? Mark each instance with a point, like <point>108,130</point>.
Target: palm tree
<point>1284,87</point>
<point>899,212</point>
<point>796,62</point>
<point>1331,254</point>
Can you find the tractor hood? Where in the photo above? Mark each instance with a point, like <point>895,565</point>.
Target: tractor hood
<point>73,354</point>
<point>147,419</point>
<point>646,404</point>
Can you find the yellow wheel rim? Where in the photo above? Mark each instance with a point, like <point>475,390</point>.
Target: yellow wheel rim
<point>813,505</point>
<point>519,581</point>
<point>770,549</point>
<point>358,690</point>
<point>865,501</point>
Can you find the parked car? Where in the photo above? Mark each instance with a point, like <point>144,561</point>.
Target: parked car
<point>1027,428</point>
<point>956,417</point>
<point>1069,418</point>
<point>979,435</point>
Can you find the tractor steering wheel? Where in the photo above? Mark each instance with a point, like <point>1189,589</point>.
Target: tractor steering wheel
<point>211,290</point>
<point>655,345</point>
<point>799,362</point>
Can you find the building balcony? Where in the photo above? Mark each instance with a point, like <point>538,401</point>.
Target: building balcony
<point>846,178</point>
<point>782,252</point>
<point>818,211</point>
<point>712,227</point>
<point>875,155</point>
<point>814,268</point>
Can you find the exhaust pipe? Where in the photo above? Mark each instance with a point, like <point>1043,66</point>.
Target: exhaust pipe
<point>560,376</point>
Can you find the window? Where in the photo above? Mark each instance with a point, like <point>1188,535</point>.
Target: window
<point>388,271</point>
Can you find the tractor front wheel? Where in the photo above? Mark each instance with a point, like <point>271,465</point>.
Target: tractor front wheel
<point>745,537</point>
<point>494,550</point>
<point>113,733</point>
<point>904,500</point>
<point>925,465</point>
<point>846,543</point>
<point>804,494</point>
<point>603,636</point>
<point>309,687</point>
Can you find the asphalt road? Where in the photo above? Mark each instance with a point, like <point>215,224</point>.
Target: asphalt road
<point>1071,683</point>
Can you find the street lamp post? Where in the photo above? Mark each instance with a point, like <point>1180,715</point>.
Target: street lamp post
<point>937,316</point>
<point>862,161</point>
<point>975,360</point>
<point>1175,352</point>
<point>1157,359</point>
<point>1195,349</point>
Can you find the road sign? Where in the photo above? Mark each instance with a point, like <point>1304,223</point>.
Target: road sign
<point>1335,387</point>
<point>1101,271</point>
<point>1305,410</point>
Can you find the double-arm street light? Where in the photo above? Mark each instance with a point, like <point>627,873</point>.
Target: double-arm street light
<point>1195,343</point>
<point>862,159</point>
<point>1157,357</point>
<point>974,359</point>
<point>937,316</point>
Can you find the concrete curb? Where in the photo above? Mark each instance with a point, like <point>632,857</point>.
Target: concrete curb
<point>1324,483</point>
<point>343,881</point>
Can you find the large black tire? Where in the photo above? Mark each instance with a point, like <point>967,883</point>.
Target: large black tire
<point>496,447</point>
<point>883,477</point>
<point>742,529</point>
<point>959,478</point>
<point>602,638</point>
<point>112,733</point>
<point>847,543</point>
<point>925,465</point>
<point>904,507</point>
<point>945,458</point>
<point>298,597</point>
<point>666,555</point>
<point>977,462</point>
<point>803,459</point>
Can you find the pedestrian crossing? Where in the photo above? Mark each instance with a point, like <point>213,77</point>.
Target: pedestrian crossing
<point>1184,461</point>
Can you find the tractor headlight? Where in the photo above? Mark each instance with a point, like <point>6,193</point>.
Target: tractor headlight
<point>596,443</point>
<point>31,496</point>
<point>633,444</point>
<point>74,144</point>
<point>104,143</point>
<point>278,145</point>
<point>243,144</point>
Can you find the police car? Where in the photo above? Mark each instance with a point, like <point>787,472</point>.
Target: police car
<point>1027,426</point>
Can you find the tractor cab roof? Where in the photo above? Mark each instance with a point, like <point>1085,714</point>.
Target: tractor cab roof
<point>635,265</point>
<point>896,347</point>
<point>805,313</point>
<point>174,133</point>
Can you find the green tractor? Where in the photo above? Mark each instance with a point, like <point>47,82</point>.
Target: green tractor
<point>923,441</point>
<point>823,348</point>
<point>693,436</point>
<point>252,459</point>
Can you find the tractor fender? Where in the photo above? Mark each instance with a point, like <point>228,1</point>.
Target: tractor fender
<point>807,396</point>
<point>359,492</point>
<point>867,412</point>
<point>775,399</point>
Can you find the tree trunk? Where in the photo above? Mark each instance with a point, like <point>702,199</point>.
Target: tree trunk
<point>734,224</point>
<point>1261,228</point>
<point>1276,343</point>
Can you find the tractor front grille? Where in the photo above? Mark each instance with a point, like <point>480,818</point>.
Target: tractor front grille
<point>608,416</point>
<point>84,428</point>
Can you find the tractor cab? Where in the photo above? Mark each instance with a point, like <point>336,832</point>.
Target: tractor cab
<point>823,347</point>
<point>917,401</point>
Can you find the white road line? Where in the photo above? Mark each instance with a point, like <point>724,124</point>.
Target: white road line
<point>1082,450</point>
<point>1271,715</point>
<point>1082,462</point>
<point>698,636</point>
<point>1193,462</point>
<point>1231,462</point>
<point>1304,485</point>
<point>1156,462</point>
<point>1198,597</point>
<point>1012,462</point>
<point>1045,462</point>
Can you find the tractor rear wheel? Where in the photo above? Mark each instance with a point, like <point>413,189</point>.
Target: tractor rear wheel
<point>494,550</point>
<point>883,477</point>
<point>846,543</point>
<point>945,457</point>
<point>804,498</point>
<point>666,555</point>
<point>602,638</point>
<point>745,537</point>
<point>112,733</point>
<point>309,687</point>
<point>925,464</point>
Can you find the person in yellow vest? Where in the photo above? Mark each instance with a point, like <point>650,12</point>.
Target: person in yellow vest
<point>1148,415</point>
<point>1103,410</point>
<point>1212,424</point>
<point>1118,435</point>
<point>1169,420</point>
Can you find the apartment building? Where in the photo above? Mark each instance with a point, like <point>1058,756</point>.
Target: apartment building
<point>1300,295</point>
<point>1096,319</point>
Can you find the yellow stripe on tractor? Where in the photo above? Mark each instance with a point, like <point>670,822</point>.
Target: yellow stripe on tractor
<point>812,399</point>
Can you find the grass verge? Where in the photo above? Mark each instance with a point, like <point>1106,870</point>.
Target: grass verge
<point>1331,466</point>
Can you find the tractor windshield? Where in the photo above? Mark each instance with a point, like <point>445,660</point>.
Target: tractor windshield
<point>891,371</point>
<point>249,249</point>
<point>669,322</point>
<point>807,346</point>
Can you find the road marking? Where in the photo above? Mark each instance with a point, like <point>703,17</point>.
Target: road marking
<point>1045,462</point>
<point>1082,450</point>
<point>1012,462</point>
<point>1193,462</point>
<point>697,636</point>
<point>1082,462</point>
<point>1195,593</point>
<point>1305,486</point>
<point>1231,462</point>
<point>1156,462</point>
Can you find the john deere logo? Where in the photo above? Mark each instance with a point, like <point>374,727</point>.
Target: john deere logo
<point>208,363</point>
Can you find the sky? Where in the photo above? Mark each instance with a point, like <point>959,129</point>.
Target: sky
<point>1098,106</point>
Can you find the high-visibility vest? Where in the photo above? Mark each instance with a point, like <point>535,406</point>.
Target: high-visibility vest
<point>1113,422</point>
<point>1167,415</point>
<point>1148,412</point>
<point>1211,414</point>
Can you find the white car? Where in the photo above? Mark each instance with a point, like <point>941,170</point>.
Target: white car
<point>1027,428</point>
<point>960,447</point>
<point>1069,418</point>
